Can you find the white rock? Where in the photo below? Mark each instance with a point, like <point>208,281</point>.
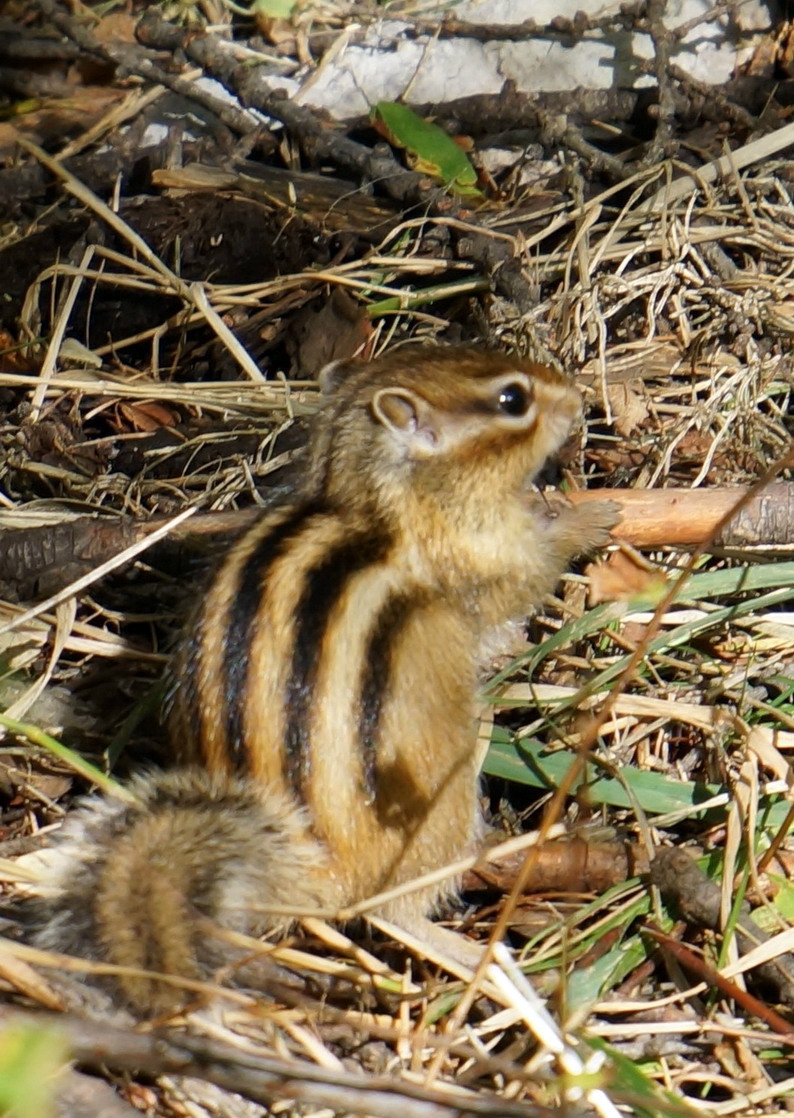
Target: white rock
<point>384,64</point>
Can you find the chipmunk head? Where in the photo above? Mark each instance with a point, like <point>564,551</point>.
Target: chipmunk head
<point>433,416</point>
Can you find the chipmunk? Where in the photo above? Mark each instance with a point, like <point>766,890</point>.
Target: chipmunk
<point>323,698</point>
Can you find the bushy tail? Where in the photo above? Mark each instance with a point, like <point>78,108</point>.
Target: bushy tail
<point>130,885</point>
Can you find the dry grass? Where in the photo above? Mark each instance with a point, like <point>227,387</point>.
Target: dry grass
<point>678,320</point>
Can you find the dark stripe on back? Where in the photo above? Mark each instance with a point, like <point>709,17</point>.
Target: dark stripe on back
<point>242,618</point>
<point>181,704</point>
<point>323,588</point>
<point>378,661</point>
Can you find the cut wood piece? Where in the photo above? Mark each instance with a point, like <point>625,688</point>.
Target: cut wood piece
<point>687,517</point>
<point>44,558</point>
<point>573,865</point>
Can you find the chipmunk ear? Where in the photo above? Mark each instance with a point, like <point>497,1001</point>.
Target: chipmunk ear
<point>409,417</point>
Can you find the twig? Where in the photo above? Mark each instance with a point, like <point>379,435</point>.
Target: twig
<point>754,152</point>
<point>132,59</point>
<point>265,1078</point>
<point>662,40</point>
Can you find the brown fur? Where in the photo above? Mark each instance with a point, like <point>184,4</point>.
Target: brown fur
<point>333,662</point>
<point>130,884</point>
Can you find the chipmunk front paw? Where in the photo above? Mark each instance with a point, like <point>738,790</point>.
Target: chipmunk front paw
<point>595,519</point>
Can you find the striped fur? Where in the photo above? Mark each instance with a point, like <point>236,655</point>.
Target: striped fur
<point>334,658</point>
<point>323,695</point>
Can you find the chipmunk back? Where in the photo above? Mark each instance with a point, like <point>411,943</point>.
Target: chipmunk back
<point>331,666</point>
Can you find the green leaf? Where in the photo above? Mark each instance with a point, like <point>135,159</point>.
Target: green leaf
<point>584,986</point>
<point>429,149</point>
<point>629,1082</point>
<point>708,585</point>
<point>31,1056</point>
<point>783,902</point>
<point>273,9</point>
<point>411,300</point>
<point>533,763</point>
<point>68,756</point>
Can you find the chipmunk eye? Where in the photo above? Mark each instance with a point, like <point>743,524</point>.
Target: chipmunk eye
<point>514,399</point>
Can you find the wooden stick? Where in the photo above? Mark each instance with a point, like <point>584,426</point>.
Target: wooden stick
<point>42,559</point>
<point>686,517</point>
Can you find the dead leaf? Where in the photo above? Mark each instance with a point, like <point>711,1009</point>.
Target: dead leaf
<point>279,32</point>
<point>12,356</point>
<point>619,577</point>
<point>50,785</point>
<point>762,61</point>
<point>785,48</point>
<point>115,27</point>
<point>333,332</point>
<point>693,447</point>
<point>784,308</point>
<point>628,406</point>
<point>27,980</point>
<point>78,112</point>
<point>146,415</point>
<point>611,459</point>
